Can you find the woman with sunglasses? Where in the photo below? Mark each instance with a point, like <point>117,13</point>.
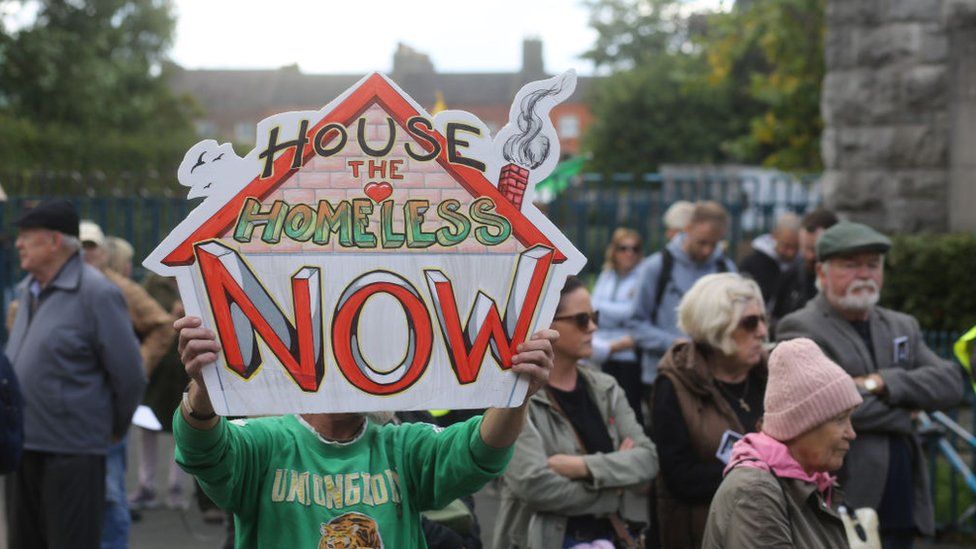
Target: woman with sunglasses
<point>582,460</point>
<point>613,297</point>
<point>708,394</point>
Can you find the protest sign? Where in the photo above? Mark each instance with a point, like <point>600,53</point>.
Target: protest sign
<point>371,256</point>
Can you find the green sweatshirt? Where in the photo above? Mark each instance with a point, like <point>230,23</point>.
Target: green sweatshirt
<point>289,488</point>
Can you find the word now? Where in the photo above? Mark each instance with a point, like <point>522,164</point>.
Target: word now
<point>243,310</point>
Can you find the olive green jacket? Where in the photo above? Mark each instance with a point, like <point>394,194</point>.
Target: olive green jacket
<point>754,509</point>
<point>536,501</point>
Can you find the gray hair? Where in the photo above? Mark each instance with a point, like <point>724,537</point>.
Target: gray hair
<point>70,242</point>
<point>712,309</point>
<point>118,254</point>
<point>789,221</point>
<point>678,215</point>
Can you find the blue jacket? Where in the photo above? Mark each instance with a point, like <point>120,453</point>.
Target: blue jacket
<point>614,296</point>
<point>654,338</point>
<point>77,361</point>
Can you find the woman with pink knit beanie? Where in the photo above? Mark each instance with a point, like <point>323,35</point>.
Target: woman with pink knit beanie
<point>778,490</point>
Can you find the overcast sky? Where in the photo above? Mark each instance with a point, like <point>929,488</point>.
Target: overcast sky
<point>356,36</point>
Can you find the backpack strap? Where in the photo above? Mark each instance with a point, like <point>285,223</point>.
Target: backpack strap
<point>721,266</point>
<point>667,267</point>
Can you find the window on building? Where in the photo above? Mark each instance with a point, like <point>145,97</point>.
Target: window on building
<point>244,132</point>
<point>569,126</point>
<point>205,128</point>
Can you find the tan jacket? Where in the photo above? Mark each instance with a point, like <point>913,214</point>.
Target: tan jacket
<point>536,501</point>
<point>752,509</point>
<point>152,324</point>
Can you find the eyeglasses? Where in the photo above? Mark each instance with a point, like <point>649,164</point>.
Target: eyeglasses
<point>582,320</point>
<point>634,249</point>
<point>751,323</point>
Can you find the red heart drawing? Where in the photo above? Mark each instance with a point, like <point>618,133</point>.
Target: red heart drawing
<point>378,192</point>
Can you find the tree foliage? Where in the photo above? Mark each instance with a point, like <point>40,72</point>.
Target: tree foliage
<point>659,112</point>
<point>775,47</point>
<point>740,86</point>
<point>658,106</point>
<point>631,33</point>
<point>83,87</point>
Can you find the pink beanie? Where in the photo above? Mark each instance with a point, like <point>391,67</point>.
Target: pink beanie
<point>805,389</point>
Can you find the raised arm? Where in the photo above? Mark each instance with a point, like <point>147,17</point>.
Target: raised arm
<point>501,426</point>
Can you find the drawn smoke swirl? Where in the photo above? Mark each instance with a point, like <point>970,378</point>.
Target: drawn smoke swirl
<point>529,148</point>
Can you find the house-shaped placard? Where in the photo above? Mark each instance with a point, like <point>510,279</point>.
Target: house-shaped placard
<point>369,256</point>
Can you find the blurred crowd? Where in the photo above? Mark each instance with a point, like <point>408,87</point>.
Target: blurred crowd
<point>690,400</point>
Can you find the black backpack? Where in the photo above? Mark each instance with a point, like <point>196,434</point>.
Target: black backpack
<point>667,266</point>
<point>11,418</point>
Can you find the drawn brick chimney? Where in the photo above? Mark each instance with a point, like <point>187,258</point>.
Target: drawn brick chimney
<point>528,137</point>
<point>512,182</point>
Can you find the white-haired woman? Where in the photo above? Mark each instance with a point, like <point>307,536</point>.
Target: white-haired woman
<point>708,394</point>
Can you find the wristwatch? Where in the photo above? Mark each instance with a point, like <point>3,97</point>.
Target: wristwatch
<point>871,385</point>
<point>191,413</point>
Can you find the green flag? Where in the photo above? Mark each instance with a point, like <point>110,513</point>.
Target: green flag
<point>559,179</point>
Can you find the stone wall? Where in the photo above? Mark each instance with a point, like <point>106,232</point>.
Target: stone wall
<point>891,131</point>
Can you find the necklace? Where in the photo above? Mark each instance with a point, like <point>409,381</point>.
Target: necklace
<point>741,398</point>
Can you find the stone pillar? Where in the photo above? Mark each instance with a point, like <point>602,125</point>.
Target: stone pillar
<point>886,117</point>
<point>961,18</point>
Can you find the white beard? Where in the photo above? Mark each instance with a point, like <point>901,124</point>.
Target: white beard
<point>862,301</point>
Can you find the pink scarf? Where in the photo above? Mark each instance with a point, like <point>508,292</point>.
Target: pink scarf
<point>761,451</point>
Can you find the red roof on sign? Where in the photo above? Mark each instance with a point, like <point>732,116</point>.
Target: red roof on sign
<point>374,90</point>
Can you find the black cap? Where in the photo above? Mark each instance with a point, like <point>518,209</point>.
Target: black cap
<point>56,215</point>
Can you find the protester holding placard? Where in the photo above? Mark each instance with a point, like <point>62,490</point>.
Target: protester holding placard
<point>581,461</point>
<point>326,476</point>
<point>708,395</point>
<point>339,277</point>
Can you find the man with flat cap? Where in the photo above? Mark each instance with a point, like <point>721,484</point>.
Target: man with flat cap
<point>895,371</point>
<point>78,363</point>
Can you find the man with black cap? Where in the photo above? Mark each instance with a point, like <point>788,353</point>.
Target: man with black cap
<point>893,368</point>
<point>81,375</point>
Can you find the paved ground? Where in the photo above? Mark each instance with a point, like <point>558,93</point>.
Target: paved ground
<point>168,529</point>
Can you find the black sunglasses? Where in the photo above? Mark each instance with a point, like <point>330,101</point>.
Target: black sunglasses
<point>582,320</point>
<point>634,249</point>
<point>751,323</point>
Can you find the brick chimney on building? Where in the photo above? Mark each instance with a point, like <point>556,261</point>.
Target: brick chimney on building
<point>532,64</point>
<point>407,60</point>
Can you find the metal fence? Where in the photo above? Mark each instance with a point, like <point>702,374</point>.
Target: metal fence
<point>589,211</point>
